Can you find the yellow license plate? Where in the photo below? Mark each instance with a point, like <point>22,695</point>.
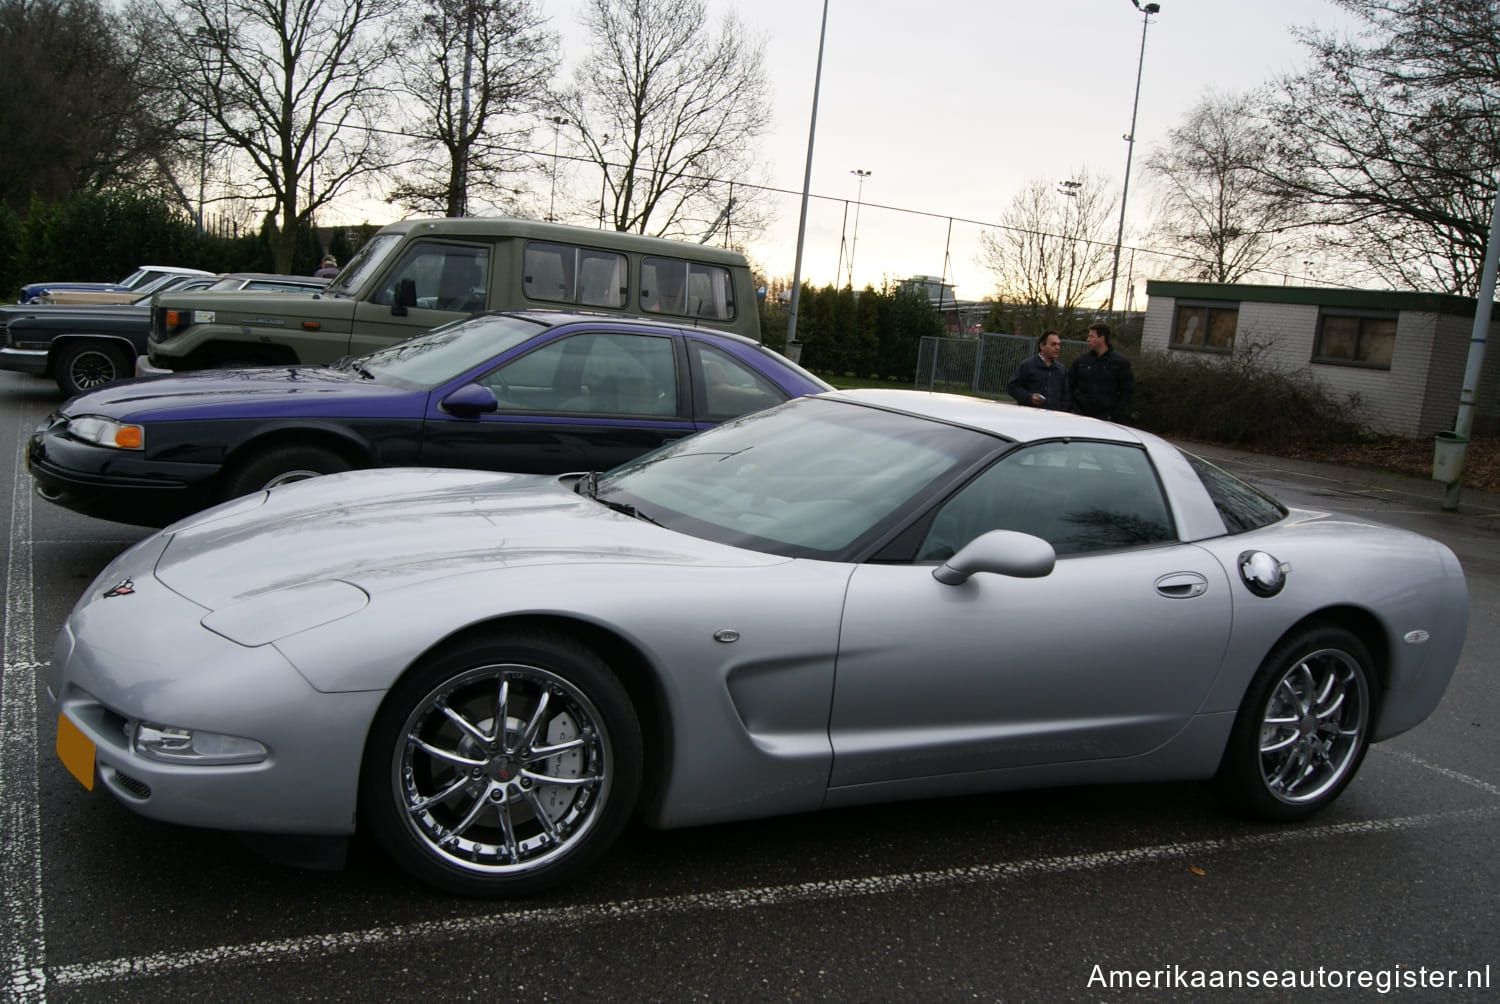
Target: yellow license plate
<point>76,751</point>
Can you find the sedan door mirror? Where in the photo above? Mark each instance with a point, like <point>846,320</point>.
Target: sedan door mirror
<point>1004,552</point>
<point>470,400</point>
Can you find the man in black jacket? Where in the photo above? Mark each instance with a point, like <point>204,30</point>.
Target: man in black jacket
<point>1040,381</point>
<point>1100,381</point>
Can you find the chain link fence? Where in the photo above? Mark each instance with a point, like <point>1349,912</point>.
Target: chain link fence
<point>981,365</point>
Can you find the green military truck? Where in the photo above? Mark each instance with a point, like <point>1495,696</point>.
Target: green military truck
<point>418,274</point>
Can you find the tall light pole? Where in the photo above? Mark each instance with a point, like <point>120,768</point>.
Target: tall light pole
<point>794,347</point>
<point>460,198</point>
<point>1146,11</point>
<point>858,200</point>
<point>557,123</point>
<point>603,177</point>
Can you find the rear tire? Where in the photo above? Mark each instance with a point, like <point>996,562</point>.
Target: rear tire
<point>84,365</point>
<point>1303,727</point>
<point>283,465</point>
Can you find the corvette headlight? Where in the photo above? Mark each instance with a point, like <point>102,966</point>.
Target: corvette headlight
<point>107,432</point>
<point>170,744</point>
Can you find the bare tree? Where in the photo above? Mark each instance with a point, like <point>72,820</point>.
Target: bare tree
<point>1393,134</point>
<point>292,88</point>
<point>667,111</point>
<point>1053,252</point>
<point>73,90</point>
<point>1212,210</point>
<point>469,66</point>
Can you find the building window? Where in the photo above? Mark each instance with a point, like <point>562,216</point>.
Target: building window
<point>1205,327</point>
<point>1356,339</point>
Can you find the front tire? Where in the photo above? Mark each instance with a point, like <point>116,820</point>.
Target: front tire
<point>1303,727</point>
<point>503,766</point>
<point>283,465</point>
<point>82,366</point>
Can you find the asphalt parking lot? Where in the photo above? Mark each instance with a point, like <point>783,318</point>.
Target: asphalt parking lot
<point>1145,892</point>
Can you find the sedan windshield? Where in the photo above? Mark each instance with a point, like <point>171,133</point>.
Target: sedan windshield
<point>428,359</point>
<point>808,478</point>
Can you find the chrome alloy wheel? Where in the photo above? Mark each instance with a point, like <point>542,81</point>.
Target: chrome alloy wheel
<point>503,769</point>
<point>1313,728</point>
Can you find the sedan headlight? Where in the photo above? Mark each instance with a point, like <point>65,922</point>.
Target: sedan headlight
<point>170,744</point>
<point>107,432</point>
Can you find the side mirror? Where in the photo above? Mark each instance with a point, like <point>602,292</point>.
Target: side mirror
<point>1003,552</point>
<point>470,400</point>
<point>406,297</point>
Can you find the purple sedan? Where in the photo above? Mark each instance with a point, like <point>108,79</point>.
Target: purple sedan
<point>532,392</point>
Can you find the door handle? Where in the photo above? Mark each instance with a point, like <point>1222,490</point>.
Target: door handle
<point>1182,585</point>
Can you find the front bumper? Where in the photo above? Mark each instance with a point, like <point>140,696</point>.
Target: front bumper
<point>116,485</point>
<point>109,670</point>
<point>143,367</point>
<point>24,360</point>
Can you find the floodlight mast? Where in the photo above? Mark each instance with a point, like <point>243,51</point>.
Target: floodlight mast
<point>1146,11</point>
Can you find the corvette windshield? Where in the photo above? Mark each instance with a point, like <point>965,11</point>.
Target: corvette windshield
<point>807,478</point>
<point>428,359</point>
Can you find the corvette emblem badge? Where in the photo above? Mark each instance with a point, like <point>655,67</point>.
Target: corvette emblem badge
<point>122,588</point>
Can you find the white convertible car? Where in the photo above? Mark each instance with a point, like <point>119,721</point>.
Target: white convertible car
<point>855,597</point>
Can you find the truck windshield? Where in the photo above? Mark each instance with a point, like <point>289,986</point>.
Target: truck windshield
<point>366,261</point>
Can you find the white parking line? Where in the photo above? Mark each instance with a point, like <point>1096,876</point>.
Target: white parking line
<point>22,930</point>
<point>1447,772</point>
<point>319,945</point>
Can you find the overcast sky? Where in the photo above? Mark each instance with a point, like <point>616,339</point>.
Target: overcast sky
<point>954,105</point>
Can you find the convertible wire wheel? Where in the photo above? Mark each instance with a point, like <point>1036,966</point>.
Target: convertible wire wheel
<point>1312,732</point>
<point>503,769</point>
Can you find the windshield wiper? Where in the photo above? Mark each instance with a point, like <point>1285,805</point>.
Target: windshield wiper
<point>589,485</point>
<point>351,363</point>
<point>627,509</point>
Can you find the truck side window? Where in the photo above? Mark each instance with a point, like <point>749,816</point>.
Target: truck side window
<point>566,273</point>
<point>688,288</point>
<point>447,276</point>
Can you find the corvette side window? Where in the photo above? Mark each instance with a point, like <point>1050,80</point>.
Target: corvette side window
<point>1077,496</point>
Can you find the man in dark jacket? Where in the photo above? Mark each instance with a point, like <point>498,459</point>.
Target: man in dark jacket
<point>1040,380</point>
<point>1100,380</point>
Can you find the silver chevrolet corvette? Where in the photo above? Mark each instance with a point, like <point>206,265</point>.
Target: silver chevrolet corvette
<point>857,597</point>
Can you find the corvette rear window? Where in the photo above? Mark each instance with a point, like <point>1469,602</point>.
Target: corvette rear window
<point>1240,506</point>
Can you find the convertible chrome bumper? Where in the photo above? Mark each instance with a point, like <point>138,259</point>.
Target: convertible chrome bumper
<point>24,360</point>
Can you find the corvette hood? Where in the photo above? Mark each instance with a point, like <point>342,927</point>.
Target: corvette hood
<point>384,529</point>
<point>289,391</point>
